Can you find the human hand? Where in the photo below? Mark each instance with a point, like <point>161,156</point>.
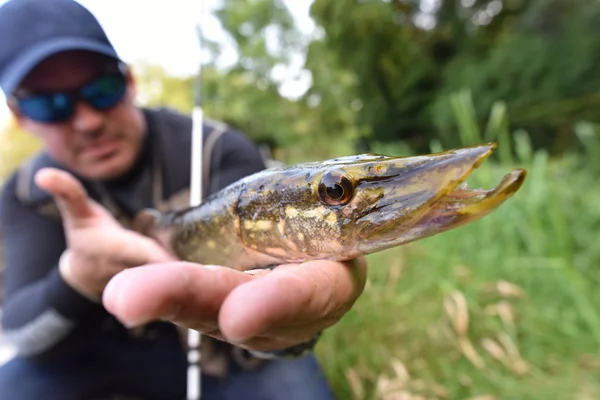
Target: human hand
<point>98,246</point>
<point>264,311</point>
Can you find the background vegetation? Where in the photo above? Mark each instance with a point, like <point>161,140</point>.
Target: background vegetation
<point>506,308</point>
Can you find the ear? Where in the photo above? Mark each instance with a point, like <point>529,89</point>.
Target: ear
<point>14,110</point>
<point>24,123</point>
<point>129,76</point>
<point>131,82</point>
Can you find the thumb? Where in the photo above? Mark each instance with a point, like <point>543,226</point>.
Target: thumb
<point>69,194</point>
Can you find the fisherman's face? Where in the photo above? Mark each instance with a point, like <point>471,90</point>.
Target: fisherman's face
<point>94,143</point>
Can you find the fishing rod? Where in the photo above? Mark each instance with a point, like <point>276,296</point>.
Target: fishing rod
<point>194,373</point>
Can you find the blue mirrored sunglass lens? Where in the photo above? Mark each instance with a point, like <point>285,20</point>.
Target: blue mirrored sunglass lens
<point>104,92</point>
<point>47,108</point>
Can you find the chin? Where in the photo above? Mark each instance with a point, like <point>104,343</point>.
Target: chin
<point>110,168</point>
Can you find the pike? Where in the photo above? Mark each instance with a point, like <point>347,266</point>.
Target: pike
<point>335,209</point>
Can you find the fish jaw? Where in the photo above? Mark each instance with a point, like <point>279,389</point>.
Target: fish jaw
<point>463,205</point>
<point>447,206</point>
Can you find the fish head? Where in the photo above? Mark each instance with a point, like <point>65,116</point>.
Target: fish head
<point>356,205</point>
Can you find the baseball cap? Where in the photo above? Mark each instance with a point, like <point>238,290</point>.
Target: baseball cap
<point>32,30</point>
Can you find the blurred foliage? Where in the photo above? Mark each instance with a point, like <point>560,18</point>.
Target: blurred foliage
<point>16,146</point>
<point>383,73</point>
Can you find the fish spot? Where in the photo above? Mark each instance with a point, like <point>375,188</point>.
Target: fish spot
<point>259,225</point>
<point>315,213</point>
<point>291,212</point>
<point>331,219</point>
<point>211,244</point>
<point>378,168</point>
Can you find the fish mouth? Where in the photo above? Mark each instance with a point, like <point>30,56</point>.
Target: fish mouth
<point>431,196</point>
<point>463,204</point>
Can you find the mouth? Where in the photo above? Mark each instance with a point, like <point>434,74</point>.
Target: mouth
<point>431,196</point>
<point>457,204</point>
<point>463,204</point>
<point>103,149</point>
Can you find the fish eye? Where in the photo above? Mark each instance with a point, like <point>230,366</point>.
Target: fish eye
<point>335,189</point>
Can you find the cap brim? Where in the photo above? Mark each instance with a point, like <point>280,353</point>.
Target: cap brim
<point>26,61</point>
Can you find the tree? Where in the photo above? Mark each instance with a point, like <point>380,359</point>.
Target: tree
<point>407,57</point>
<point>383,72</point>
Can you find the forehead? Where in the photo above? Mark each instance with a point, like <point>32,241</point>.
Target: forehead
<point>65,70</point>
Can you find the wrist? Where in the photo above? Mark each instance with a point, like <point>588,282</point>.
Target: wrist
<point>69,275</point>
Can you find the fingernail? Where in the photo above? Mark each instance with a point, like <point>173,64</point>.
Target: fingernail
<point>235,335</point>
<point>258,272</point>
<point>109,295</point>
<point>211,267</point>
<point>131,324</point>
<point>236,340</point>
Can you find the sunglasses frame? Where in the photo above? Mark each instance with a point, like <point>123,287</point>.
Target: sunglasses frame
<point>118,69</point>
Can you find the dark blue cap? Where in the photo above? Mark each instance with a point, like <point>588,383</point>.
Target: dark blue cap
<point>32,30</point>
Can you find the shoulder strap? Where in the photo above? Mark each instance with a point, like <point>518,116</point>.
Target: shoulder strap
<point>207,156</point>
<point>23,177</point>
<point>23,180</point>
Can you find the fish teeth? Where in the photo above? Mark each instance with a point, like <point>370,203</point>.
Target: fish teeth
<point>463,186</point>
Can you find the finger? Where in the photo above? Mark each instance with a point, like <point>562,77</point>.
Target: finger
<point>129,247</point>
<point>312,295</point>
<point>69,193</point>
<point>185,293</point>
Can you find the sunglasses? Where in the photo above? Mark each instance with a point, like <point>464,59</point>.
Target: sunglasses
<point>101,93</point>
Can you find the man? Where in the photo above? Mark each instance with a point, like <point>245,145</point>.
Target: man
<point>89,303</point>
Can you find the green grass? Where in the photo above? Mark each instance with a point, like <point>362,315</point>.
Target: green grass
<point>528,274</point>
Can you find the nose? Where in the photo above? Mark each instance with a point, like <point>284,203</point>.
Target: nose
<point>86,119</point>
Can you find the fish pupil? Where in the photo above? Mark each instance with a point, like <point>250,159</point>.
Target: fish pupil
<point>335,189</point>
<point>335,192</point>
